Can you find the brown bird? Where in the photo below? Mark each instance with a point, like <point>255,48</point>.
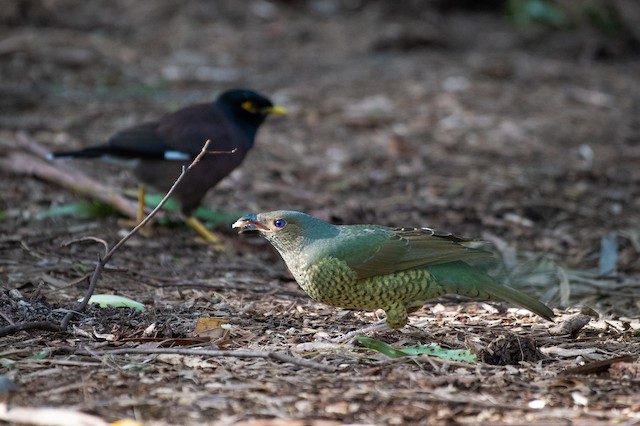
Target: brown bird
<point>164,146</point>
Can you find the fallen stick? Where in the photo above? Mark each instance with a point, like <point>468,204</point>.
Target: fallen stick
<point>25,164</point>
<point>278,356</point>
<point>50,416</point>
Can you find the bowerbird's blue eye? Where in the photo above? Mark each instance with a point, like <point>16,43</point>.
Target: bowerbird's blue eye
<point>279,223</point>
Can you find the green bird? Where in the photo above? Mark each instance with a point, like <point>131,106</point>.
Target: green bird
<point>371,267</point>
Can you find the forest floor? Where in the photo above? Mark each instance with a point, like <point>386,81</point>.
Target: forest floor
<point>456,120</point>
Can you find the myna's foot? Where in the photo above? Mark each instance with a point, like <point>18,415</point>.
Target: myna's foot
<point>140,214</point>
<point>208,236</point>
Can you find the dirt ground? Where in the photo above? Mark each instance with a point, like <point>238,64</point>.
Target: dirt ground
<point>419,115</point>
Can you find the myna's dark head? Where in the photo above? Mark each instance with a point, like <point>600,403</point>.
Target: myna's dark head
<point>247,107</point>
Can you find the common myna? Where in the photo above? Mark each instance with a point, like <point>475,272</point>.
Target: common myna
<point>162,147</point>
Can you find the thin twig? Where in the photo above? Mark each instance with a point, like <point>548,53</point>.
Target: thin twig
<point>93,282</point>
<point>85,239</point>
<point>278,356</point>
<point>70,283</point>
<point>6,318</point>
<point>24,326</point>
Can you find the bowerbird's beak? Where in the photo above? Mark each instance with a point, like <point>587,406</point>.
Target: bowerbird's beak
<point>249,223</point>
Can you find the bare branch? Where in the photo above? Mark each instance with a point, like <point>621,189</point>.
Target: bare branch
<point>221,152</point>
<point>278,356</point>
<point>93,281</point>
<point>36,325</point>
<point>85,239</point>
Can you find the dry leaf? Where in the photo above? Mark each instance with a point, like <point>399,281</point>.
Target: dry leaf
<point>213,328</point>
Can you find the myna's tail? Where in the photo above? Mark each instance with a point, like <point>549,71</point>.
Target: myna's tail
<point>90,152</point>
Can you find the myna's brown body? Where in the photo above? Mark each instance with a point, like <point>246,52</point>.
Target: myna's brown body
<point>164,146</point>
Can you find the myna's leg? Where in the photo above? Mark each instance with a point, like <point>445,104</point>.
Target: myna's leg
<point>140,213</point>
<point>141,202</point>
<point>209,236</point>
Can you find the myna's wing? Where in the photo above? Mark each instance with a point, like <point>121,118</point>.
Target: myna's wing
<point>141,141</point>
<point>189,128</point>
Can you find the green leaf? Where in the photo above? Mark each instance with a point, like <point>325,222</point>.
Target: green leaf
<point>7,362</point>
<point>211,217</point>
<point>152,200</point>
<point>214,218</point>
<point>527,12</point>
<point>40,355</point>
<point>461,355</point>
<point>380,346</point>
<point>82,209</point>
<point>112,300</point>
